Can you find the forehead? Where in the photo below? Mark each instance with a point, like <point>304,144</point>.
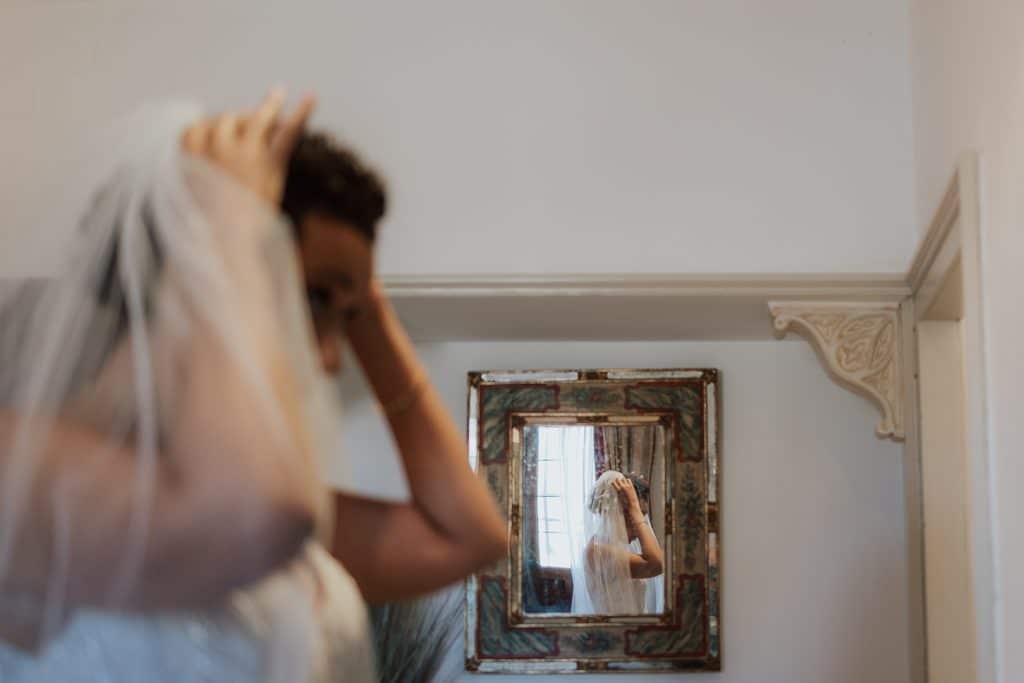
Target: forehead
<point>330,245</point>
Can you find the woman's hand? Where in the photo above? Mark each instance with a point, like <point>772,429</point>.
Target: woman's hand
<point>651,560</point>
<point>253,147</point>
<point>627,496</point>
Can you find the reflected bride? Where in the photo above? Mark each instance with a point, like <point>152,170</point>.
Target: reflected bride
<point>622,564</point>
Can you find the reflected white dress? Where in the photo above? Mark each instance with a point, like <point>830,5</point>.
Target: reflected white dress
<point>611,590</point>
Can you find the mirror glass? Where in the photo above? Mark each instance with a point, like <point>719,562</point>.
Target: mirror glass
<point>593,518</point>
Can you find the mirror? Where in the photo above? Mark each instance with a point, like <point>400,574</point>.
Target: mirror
<point>589,547</point>
<point>609,482</point>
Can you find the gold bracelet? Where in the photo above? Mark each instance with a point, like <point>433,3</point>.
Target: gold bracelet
<point>404,402</point>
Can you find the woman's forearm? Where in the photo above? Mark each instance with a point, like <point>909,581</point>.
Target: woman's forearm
<point>444,488</point>
<point>230,483</point>
<point>81,502</point>
<point>650,549</point>
<point>251,416</point>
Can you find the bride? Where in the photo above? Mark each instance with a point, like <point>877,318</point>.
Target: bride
<point>622,563</point>
<point>164,412</point>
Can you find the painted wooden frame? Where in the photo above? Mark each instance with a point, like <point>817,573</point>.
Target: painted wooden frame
<point>687,636</point>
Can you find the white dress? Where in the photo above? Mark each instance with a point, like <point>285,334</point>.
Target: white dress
<point>257,638</point>
<point>611,589</point>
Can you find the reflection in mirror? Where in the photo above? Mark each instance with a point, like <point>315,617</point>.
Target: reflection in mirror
<point>590,584</point>
<point>593,519</point>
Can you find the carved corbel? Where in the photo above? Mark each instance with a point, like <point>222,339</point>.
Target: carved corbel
<point>860,345</point>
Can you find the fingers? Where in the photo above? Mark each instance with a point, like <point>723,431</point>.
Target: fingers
<point>227,129</point>
<point>262,125</point>
<point>285,136</point>
<point>265,117</point>
<point>220,132</point>
<point>253,146</point>
<point>622,487</point>
<point>196,138</point>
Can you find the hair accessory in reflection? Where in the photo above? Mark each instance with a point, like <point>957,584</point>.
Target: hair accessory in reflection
<point>604,497</point>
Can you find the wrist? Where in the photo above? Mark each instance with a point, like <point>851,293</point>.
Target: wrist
<point>385,353</point>
<point>401,403</point>
<point>366,329</point>
<point>371,311</point>
<point>375,294</point>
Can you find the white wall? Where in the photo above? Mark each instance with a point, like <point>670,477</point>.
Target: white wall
<point>814,578</point>
<point>579,136</point>
<point>968,80</point>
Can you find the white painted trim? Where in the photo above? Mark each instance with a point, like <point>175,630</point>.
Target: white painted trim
<point>616,307</point>
<point>980,474</point>
<point>955,234</point>
<point>913,504</point>
<point>937,236</point>
<point>869,286</point>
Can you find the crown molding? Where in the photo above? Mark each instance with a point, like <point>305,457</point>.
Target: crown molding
<point>937,236</point>
<point>616,307</point>
<point>880,286</point>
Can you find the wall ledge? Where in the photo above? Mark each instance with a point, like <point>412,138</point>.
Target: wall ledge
<point>617,307</point>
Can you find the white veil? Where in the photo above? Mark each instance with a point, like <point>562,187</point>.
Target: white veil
<point>604,567</point>
<point>170,254</point>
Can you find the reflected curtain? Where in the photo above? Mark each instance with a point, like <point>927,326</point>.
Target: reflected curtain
<point>628,449</point>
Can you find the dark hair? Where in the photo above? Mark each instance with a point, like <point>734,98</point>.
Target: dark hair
<point>643,489</point>
<point>322,177</point>
<point>325,177</point>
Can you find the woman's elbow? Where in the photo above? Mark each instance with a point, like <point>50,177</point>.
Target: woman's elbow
<point>488,548</point>
<point>650,569</point>
<point>495,547</point>
<point>657,568</point>
<point>273,518</point>
<point>261,537</point>
<point>285,532</point>
<point>276,535</point>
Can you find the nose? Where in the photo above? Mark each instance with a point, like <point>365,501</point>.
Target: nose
<point>330,353</point>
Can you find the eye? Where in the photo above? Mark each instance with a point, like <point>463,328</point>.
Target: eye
<point>319,299</point>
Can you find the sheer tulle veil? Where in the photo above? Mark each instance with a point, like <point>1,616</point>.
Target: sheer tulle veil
<point>604,567</point>
<point>165,250</point>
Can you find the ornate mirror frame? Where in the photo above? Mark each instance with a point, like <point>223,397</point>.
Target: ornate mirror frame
<point>500,637</point>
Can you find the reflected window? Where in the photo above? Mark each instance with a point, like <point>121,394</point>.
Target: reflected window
<point>565,470</point>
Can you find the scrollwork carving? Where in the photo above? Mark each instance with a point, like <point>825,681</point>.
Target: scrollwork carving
<point>859,344</point>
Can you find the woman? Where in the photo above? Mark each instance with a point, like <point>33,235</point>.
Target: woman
<point>616,573</point>
<point>163,417</point>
